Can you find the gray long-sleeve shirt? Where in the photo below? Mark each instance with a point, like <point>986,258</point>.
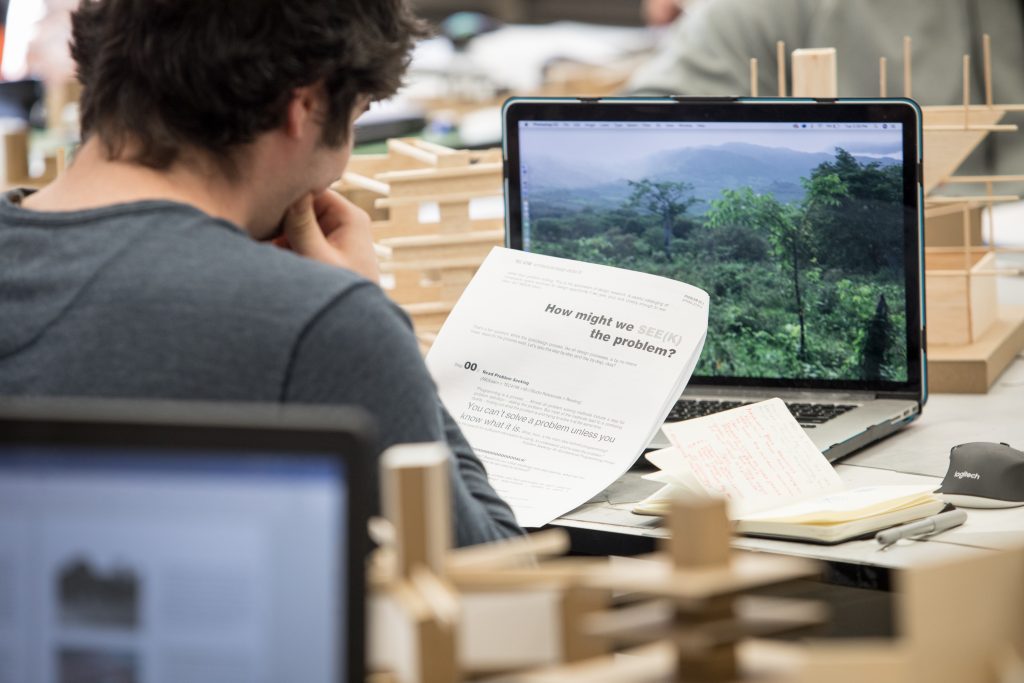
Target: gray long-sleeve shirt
<point>156,299</point>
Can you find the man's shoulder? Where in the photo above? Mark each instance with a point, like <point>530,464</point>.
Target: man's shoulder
<point>186,255</point>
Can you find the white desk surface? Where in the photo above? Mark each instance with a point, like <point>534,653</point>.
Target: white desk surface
<point>918,453</point>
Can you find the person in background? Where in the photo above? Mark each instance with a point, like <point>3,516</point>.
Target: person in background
<point>662,12</point>
<point>193,250</point>
<point>708,53</point>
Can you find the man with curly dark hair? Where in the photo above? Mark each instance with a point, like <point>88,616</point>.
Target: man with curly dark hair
<point>147,269</point>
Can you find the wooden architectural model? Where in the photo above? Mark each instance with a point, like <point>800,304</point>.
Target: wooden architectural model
<point>971,337</point>
<point>421,197</point>
<point>516,611</point>
<point>16,161</point>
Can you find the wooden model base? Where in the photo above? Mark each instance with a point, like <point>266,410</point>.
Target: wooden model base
<point>973,368</point>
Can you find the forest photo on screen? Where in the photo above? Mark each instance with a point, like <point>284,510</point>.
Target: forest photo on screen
<point>797,235</point>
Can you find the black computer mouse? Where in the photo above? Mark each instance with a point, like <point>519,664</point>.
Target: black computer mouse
<point>984,475</point>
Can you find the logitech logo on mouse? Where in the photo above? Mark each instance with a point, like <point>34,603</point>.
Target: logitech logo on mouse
<point>962,474</point>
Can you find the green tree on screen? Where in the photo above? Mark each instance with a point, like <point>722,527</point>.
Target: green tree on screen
<point>788,230</point>
<point>668,200</point>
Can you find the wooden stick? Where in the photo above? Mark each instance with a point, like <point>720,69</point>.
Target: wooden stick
<point>957,107</point>
<point>991,217</point>
<point>753,76</point>
<point>983,249</point>
<point>964,179</point>
<point>364,183</point>
<point>956,250</point>
<point>965,223</point>
<point>907,90</point>
<point>988,127</point>
<point>882,85</point>
<point>417,500</point>
<point>995,272</point>
<point>780,59</point>
<point>977,199</point>
<point>986,48</point>
<point>967,91</point>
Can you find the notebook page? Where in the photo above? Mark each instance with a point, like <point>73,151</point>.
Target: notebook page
<point>756,457</point>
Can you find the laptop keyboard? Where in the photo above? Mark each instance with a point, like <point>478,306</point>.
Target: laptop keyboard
<point>807,414</point>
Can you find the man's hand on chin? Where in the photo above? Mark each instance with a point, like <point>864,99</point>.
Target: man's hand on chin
<point>328,228</point>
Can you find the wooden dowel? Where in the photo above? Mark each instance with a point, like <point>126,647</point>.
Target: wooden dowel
<point>753,76</point>
<point>965,223</point>
<point>882,73</point>
<point>991,217</point>
<point>957,250</point>
<point>967,91</point>
<point>986,47</point>
<point>975,199</point>
<point>364,183</point>
<point>995,272</point>
<point>966,219</point>
<point>988,127</point>
<point>965,179</point>
<point>780,60</point>
<point>907,90</point>
<point>958,107</point>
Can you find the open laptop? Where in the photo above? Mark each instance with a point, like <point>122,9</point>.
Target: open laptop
<point>801,218</point>
<point>182,542</point>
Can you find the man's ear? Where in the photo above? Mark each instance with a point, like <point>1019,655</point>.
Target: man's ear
<point>301,110</point>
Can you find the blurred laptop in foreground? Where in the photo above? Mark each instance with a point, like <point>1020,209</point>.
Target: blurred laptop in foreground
<point>176,542</point>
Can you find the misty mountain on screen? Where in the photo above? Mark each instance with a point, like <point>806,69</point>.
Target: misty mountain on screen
<point>710,170</point>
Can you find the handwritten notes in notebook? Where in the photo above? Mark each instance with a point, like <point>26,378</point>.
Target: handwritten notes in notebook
<point>757,457</point>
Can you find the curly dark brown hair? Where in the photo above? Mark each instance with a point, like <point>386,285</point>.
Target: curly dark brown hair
<point>214,74</point>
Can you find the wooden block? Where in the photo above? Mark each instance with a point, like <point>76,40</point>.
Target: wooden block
<point>577,603</point>
<point>814,72</point>
<point>701,533</point>
<point>429,183</point>
<point>961,303</point>
<point>959,618</point>
<point>434,247</point>
<point>16,157</point>
<point>973,368</point>
<point>417,501</point>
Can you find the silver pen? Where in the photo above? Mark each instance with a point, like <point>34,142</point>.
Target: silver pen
<point>924,527</point>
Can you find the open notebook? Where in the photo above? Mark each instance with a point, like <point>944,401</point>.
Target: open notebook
<point>776,482</point>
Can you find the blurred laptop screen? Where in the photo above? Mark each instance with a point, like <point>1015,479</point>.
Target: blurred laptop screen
<point>153,565</point>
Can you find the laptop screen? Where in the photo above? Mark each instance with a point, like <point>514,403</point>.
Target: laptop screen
<point>803,230</point>
<point>141,564</point>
